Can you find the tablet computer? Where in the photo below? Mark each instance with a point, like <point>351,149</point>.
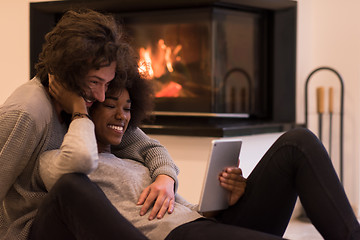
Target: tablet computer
<point>224,153</point>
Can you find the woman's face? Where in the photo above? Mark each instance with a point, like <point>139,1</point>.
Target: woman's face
<point>111,119</point>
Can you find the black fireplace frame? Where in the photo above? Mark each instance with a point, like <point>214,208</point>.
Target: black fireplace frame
<point>281,57</point>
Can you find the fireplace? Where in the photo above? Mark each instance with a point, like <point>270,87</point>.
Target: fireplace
<point>220,68</point>
<point>203,62</point>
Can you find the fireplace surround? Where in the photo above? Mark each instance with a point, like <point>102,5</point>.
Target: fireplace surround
<point>220,68</point>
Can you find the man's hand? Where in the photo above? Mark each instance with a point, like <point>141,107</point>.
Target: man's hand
<point>69,101</point>
<point>232,180</point>
<point>161,191</point>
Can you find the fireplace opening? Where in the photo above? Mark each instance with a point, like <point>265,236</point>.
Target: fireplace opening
<point>219,67</point>
<point>203,62</point>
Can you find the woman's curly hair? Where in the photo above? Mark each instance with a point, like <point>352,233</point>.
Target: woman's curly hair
<point>142,100</point>
<point>83,40</point>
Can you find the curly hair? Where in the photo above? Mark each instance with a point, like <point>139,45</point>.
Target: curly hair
<point>142,100</point>
<point>83,40</point>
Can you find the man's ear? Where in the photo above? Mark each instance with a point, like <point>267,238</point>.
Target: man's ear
<point>51,77</point>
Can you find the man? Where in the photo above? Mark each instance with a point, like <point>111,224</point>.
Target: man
<point>87,53</point>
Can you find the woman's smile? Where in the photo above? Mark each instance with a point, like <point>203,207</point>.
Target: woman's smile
<point>116,128</point>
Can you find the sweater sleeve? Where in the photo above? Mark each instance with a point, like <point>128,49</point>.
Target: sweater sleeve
<point>78,153</point>
<point>18,141</point>
<point>138,146</point>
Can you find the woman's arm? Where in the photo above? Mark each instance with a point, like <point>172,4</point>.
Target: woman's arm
<point>78,153</point>
<point>232,180</point>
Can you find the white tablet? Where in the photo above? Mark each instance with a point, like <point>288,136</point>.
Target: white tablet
<point>224,153</point>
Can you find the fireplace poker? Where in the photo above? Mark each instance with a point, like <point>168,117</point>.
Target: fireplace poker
<point>320,108</point>
<point>330,117</point>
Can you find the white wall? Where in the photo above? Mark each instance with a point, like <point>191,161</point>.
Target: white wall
<point>14,45</point>
<point>328,34</point>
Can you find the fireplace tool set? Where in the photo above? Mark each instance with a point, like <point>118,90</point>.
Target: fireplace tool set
<point>320,98</point>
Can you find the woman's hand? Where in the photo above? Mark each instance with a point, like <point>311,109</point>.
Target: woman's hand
<point>232,180</point>
<point>69,101</point>
<point>161,191</point>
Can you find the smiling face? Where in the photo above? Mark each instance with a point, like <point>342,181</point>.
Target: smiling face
<point>111,119</point>
<point>98,81</point>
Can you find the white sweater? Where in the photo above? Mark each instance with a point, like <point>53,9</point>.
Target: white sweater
<point>122,180</point>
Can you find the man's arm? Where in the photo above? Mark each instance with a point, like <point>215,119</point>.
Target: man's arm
<point>138,146</point>
<point>18,141</point>
<point>161,193</point>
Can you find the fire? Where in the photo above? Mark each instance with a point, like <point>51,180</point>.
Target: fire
<point>156,64</point>
<point>172,89</point>
<point>145,62</point>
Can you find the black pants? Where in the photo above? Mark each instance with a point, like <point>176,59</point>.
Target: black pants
<point>296,165</point>
<point>77,208</point>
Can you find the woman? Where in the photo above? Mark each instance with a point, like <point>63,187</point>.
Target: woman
<point>297,164</point>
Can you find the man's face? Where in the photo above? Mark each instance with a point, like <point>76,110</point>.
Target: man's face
<point>98,81</point>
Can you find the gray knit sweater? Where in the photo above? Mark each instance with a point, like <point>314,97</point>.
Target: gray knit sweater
<point>122,180</point>
<point>29,126</point>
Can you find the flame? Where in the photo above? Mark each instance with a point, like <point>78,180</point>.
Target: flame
<point>157,64</point>
<point>167,60</point>
<point>154,64</point>
<point>172,89</point>
<point>145,62</point>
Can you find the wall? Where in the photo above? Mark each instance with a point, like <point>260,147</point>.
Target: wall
<point>14,45</point>
<point>328,34</point>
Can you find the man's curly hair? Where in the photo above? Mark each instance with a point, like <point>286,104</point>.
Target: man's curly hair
<point>83,40</point>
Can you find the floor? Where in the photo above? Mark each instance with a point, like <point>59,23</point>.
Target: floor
<point>301,230</point>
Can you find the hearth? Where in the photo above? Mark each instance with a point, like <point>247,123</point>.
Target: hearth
<point>220,68</point>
